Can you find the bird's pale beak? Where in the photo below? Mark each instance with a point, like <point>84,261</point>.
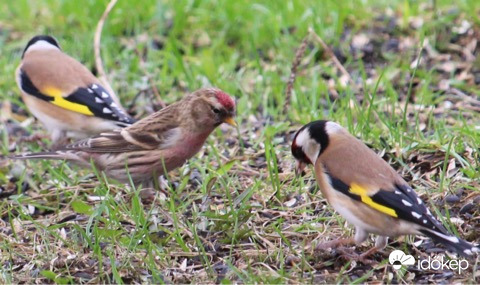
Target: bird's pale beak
<point>300,167</point>
<point>230,121</point>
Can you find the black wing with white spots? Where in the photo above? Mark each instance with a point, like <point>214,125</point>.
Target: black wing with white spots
<point>101,104</point>
<point>403,201</point>
<point>94,97</point>
<point>408,206</point>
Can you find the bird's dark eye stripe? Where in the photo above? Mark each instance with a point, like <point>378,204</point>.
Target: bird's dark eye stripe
<point>220,112</point>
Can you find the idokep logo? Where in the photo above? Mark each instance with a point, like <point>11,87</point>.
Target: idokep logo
<point>442,263</point>
<point>398,258</point>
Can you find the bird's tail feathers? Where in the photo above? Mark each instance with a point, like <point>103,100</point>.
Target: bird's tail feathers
<point>452,242</point>
<point>60,155</point>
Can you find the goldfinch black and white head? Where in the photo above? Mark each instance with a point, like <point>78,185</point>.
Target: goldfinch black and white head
<point>41,42</point>
<point>365,189</point>
<point>307,145</point>
<point>63,94</point>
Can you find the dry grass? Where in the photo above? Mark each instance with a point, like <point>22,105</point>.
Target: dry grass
<point>236,213</point>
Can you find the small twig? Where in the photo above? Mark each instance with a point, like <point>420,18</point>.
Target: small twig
<point>102,76</point>
<point>133,102</point>
<point>150,80</point>
<point>293,71</point>
<point>189,254</point>
<point>330,53</point>
<point>464,97</point>
<point>156,93</point>
<point>184,228</point>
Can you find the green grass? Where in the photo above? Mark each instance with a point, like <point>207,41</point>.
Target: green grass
<point>235,224</point>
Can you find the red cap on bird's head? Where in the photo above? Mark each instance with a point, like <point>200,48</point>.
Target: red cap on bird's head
<point>224,99</point>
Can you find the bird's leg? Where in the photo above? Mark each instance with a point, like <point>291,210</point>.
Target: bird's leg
<point>163,185</point>
<point>380,243</point>
<point>147,195</point>
<point>360,236</point>
<point>151,188</point>
<point>59,138</point>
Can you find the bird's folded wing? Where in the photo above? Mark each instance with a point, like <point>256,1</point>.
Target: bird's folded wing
<point>92,100</point>
<point>400,202</point>
<point>124,141</point>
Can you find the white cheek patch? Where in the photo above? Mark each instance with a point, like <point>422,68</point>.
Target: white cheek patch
<point>41,45</point>
<point>308,145</point>
<point>302,137</point>
<point>312,150</point>
<point>332,127</point>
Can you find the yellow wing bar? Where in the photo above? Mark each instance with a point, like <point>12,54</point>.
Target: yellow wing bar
<point>61,102</point>
<point>362,192</point>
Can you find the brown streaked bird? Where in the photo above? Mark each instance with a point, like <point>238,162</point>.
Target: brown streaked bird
<point>366,190</point>
<point>64,95</point>
<point>154,145</point>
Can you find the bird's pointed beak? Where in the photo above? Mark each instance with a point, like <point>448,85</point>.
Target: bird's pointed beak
<point>300,167</point>
<point>230,121</point>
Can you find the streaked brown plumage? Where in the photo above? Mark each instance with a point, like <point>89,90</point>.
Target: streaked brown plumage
<point>156,144</point>
<point>366,190</point>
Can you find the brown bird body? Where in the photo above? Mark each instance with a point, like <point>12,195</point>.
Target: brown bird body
<point>365,189</point>
<point>64,95</point>
<point>156,144</point>
<point>364,168</point>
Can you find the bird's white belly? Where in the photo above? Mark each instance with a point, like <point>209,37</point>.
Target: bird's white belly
<point>351,218</point>
<point>50,123</point>
<point>344,205</point>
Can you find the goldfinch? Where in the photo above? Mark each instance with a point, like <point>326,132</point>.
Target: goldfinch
<point>64,95</point>
<point>366,190</point>
<point>154,145</point>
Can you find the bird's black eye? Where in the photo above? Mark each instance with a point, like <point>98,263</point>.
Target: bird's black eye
<point>215,110</point>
